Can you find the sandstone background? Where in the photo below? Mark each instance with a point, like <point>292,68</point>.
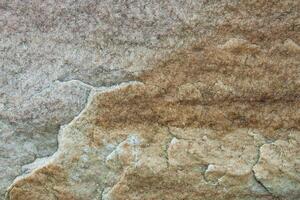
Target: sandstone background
<point>153,99</point>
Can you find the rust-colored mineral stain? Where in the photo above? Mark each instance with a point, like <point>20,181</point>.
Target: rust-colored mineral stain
<point>229,95</point>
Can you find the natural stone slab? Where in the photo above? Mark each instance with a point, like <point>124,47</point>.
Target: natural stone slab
<point>214,116</point>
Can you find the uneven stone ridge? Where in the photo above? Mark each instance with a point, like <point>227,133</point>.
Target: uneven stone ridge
<point>215,118</point>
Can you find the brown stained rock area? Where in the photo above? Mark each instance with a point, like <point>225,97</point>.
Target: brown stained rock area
<point>214,88</point>
<point>219,119</point>
<point>47,183</point>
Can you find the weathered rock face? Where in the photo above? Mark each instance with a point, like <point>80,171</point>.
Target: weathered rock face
<point>214,113</point>
<point>52,53</point>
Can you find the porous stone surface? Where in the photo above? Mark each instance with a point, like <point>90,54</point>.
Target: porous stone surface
<point>183,100</point>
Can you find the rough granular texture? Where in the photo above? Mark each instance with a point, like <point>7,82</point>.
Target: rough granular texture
<point>217,118</point>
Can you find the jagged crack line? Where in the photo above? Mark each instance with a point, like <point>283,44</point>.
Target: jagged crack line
<point>254,175</point>
<point>93,92</point>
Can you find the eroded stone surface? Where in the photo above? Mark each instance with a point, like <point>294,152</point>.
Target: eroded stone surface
<point>216,119</point>
<point>44,45</point>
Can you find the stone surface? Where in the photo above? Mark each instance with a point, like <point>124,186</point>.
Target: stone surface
<point>46,45</point>
<point>186,100</point>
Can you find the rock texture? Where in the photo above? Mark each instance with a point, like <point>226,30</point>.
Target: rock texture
<point>210,108</point>
<point>53,53</point>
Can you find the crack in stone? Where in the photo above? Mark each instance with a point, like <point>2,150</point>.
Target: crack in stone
<point>165,150</point>
<point>78,82</point>
<point>102,193</point>
<point>176,136</point>
<point>257,160</point>
<point>166,146</point>
<point>254,175</point>
<point>93,91</point>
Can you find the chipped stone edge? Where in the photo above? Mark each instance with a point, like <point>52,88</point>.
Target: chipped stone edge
<point>94,91</point>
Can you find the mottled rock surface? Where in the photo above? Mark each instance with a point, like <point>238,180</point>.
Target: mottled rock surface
<point>183,100</point>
